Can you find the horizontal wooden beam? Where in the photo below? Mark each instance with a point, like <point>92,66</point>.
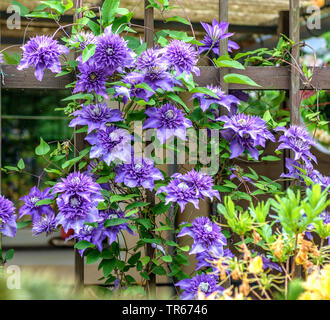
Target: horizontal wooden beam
<point>269,78</point>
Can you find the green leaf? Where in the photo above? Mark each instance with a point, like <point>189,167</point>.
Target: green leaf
<point>46,15</point>
<point>225,61</point>
<point>11,168</point>
<point>44,202</point>
<point>177,99</point>
<point>23,9</point>
<point>185,248</point>
<point>145,222</point>
<point>134,258</point>
<point>13,59</point>
<point>239,78</point>
<point>108,266</point>
<point>136,205</point>
<point>205,91</point>
<point>178,19</point>
<point>21,164</point>
<point>159,270</point>
<point>83,244</point>
<point>42,149</point>
<point>56,5</point>
<point>160,208</point>
<point>9,254</point>
<point>108,11</point>
<point>80,96</point>
<point>270,158</point>
<point>88,52</point>
<point>117,198</point>
<point>145,86</point>
<point>145,260</point>
<point>114,222</point>
<point>156,241</point>
<point>144,275</point>
<point>167,258</point>
<point>93,257</point>
<point>23,224</point>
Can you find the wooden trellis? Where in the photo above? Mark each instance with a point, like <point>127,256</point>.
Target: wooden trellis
<point>274,78</point>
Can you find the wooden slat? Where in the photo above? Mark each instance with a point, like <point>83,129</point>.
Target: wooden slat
<point>294,96</point>
<point>223,46</point>
<point>270,78</point>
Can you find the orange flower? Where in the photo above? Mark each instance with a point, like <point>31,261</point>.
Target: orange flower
<point>319,3</point>
<point>277,246</point>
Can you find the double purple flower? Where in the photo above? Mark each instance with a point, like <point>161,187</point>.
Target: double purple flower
<point>8,225</point>
<point>95,116</point>
<point>141,172</point>
<point>110,144</point>
<point>205,283</point>
<point>35,211</point>
<point>77,201</point>
<point>168,120</point>
<point>42,52</point>
<point>245,132</point>
<point>207,236</point>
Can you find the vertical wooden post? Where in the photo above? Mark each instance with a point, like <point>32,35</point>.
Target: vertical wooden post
<point>223,45</point>
<point>78,146</point>
<point>149,39</point>
<point>294,97</point>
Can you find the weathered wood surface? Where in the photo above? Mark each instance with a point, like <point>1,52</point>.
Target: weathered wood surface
<point>294,32</point>
<point>269,78</point>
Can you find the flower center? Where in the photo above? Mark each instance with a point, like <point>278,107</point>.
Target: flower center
<point>110,50</point>
<point>74,202</point>
<point>170,114</point>
<point>93,76</point>
<point>34,200</point>
<point>114,136</point>
<point>203,286</point>
<point>138,166</point>
<point>242,122</point>
<point>183,186</point>
<point>112,216</point>
<point>208,227</point>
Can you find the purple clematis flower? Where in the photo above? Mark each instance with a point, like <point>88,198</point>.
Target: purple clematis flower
<point>77,202</point>
<point>224,100</point>
<point>325,216</point>
<point>112,52</point>
<point>141,172</point>
<point>159,77</point>
<point>182,57</point>
<point>205,283</point>
<point>298,140</point>
<point>214,33</point>
<point>202,183</point>
<point>92,78</point>
<point>42,52</point>
<point>149,59</point>
<point>84,38</point>
<point>30,208</point>
<point>206,259</point>
<point>8,225</point>
<point>168,120</point>
<point>133,79</point>
<point>45,224</point>
<point>207,236</point>
<point>111,144</point>
<point>245,132</point>
<point>1,58</point>
<point>95,116</point>
<point>91,234</point>
<point>179,192</point>
<point>112,231</point>
<point>318,178</point>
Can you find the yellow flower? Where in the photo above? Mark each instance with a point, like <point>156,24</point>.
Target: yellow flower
<point>256,265</point>
<point>317,285</point>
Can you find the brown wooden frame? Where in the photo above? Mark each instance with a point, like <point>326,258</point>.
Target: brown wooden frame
<point>274,78</point>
